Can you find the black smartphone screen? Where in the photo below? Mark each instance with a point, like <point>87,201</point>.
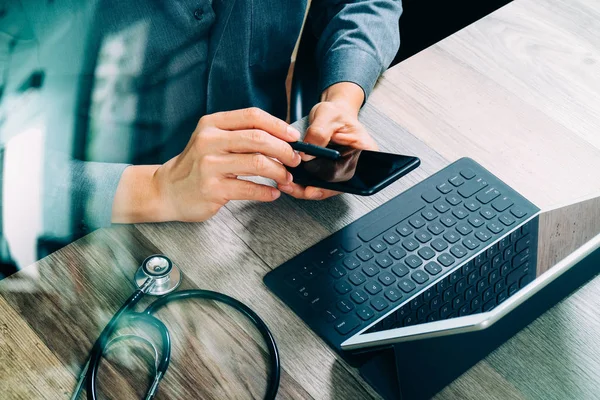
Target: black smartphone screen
<point>356,171</point>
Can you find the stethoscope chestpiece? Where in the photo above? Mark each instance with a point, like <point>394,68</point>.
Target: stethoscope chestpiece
<point>165,275</point>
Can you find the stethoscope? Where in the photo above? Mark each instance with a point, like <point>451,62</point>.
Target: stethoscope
<point>158,276</point>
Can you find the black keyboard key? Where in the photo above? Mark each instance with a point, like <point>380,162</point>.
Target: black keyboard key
<point>357,278</point>
<point>347,325</point>
<point>476,303</point>
<point>407,286</point>
<point>458,251</point>
<point>455,276</point>
<point>494,275</point>
<point>503,203</point>
<point>410,244</point>
<point>445,310</point>
<point>488,294</point>
<point>464,310</point>
<point>472,205</point>
<point>453,199</point>
<point>426,253</point>
<point>413,261</point>
<point>448,294</point>
<point>482,285</point>
<point>336,254</point>
<point>460,286</point>
<point>496,261</point>
<point>518,212</point>
<point>373,287</point>
<point>423,236</point>
<point>470,293</point>
<point>435,228</point>
<point>345,306</point>
<point>392,295</point>
<point>505,269</point>
<point>458,302</point>
<point>378,246</point>
<point>293,280</point>
<point>476,221</point>
<point>429,293</point>
<point>446,259</point>
<point>430,196</point>
<point>495,228</point>
<point>404,230</point>
<point>499,286</point>
<point>410,320</point>
<point>464,229</point>
<point>483,235</point>
<point>337,271</point>
<point>439,244</point>
<point>468,268</point>
<point>359,297</point>
<point>513,289</point>
<point>342,287</point>
<point>435,303</point>
<point>365,254</point>
<point>392,219</point>
<point>480,258</point>
<point>488,195</point>
<point>391,237</point>
<point>351,263</point>
<point>485,269</point>
<point>507,220</point>
<point>420,277</point>
<point>487,213</point>
<point>451,237</point>
<point>397,252</point>
<point>429,214</point>
<point>471,243</point>
<point>456,180</point>
<point>501,297</point>
<point>417,222</point>
<point>514,276</point>
<point>422,312</point>
<point>384,261</point>
<point>521,258</point>
<point>467,173</point>
<point>460,213</point>
<point>489,306</point>
<point>386,278</point>
<point>330,315</point>
<point>370,270</point>
<point>350,244</point>
<point>472,277</point>
<point>365,313</point>
<point>441,206</point>
<point>434,316</point>
<point>416,302</point>
<point>379,303</point>
<point>448,221</point>
<point>472,187</point>
<point>523,243</point>
<point>400,270</point>
<point>444,188</point>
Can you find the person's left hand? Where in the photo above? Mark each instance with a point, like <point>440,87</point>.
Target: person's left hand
<point>333,121</point>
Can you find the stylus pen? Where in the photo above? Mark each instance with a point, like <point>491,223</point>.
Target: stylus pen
<point>314,150</point>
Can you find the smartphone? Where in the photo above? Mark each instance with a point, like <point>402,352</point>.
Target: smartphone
<point>361,172</point>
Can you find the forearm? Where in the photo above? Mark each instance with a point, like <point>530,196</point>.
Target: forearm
<point>347,94</point>
<point>138,198</point>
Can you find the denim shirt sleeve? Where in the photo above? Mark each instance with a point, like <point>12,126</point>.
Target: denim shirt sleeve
<point>357,40</point>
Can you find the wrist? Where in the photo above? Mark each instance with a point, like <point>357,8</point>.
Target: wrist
<point>348,95</point>
<point>139,197</point>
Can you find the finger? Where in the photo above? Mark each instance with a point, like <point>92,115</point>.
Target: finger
<point>324,121</point>
<point>238,189</point>
<point>253,165</point>
<point>306,193</point>
<point>259,141</point>
<point>254,118</point>
<point>363,141</point>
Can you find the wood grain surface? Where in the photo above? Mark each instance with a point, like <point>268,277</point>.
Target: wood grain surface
<point>518,91</point>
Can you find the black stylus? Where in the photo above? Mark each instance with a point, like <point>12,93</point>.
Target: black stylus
<point>314,150</point>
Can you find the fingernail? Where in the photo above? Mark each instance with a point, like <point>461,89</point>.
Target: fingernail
<point>305,157</point>
<point>297,158</point>
<point>293,132</point>
<point>317,195</point>
<point>289,177</point>
<point>275,193</point>
<point>285,188</point>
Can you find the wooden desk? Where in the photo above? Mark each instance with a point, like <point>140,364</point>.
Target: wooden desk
<point>518,91</point>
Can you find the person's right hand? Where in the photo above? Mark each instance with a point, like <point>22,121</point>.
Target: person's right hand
<point>194,185</point>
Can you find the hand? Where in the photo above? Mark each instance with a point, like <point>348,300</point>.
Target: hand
<point>334,119</point>
<point>194,185</point>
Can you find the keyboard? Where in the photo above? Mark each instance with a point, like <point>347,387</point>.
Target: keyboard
<point>458,243</point>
